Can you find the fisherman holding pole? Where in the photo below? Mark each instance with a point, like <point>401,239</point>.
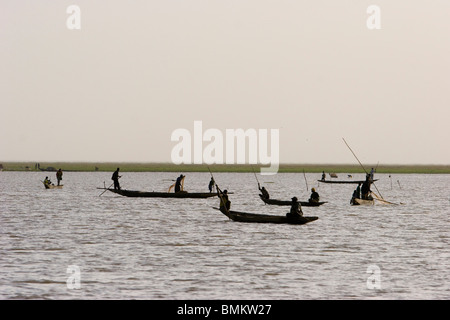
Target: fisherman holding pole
<point>115,177</point>
<point>225,204</point>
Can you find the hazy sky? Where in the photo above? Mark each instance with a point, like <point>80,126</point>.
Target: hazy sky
<point>117,88</point>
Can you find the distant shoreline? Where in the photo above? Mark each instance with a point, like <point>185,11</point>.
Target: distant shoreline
<point>169,167</point>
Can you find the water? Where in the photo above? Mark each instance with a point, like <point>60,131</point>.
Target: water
<point>149,248</point>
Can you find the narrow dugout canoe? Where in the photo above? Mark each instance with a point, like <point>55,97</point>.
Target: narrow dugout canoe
<point>148,194</point>
<point>345,181</point>
<point>288,203</point>
<point>357,202</point>
<point>263,218</point>
<point>52,186</point>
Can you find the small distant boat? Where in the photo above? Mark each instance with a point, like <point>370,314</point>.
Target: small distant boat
<point>52,186</point>
<point>344,181</point>
<point>263,218</point>
<point>152,194</point>
<point>357,202</point>
<point>288,202</point>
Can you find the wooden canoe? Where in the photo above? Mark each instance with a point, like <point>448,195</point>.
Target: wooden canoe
<point>52,186</point>
<point>288,202</point>
<point>148,194</point>
<point>345,181</point>
<point>357,202</point>
<point>263,218</point>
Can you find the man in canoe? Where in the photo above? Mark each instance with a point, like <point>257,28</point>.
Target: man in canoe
<point>59,175</point>
<point>211,185</point>
<point>264,192</point>
<point>323,175</point>
<point>356,194</point>
<point>47,181</point>
<point>178,183</point>
<point>372,172</point>
<point>365,189</point>
<point>115,177</point>
<point>314,196</point>
<point>225,204</point>
<point>296,210</point>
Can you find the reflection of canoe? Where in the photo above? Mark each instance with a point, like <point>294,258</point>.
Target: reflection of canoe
<point>288,203</point>
<point>147,194</point>
<point>344,181</point>
<point>52,186</point>
<point>357,202</point>
<point>263,218</point>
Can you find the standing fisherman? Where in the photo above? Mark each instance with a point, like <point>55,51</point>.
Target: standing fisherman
<point>225,203</point>
<point>371,174</point>
<point>178,183</point>
<point>59,175</point>
<point>211,185</point>
<point>365,189</point>
<point>115,177</point>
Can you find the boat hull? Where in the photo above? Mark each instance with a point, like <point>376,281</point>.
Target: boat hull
<point>288,203</point>
<point>147,194</point>
<point>363,202</point>
<point>53,186</point>
<point>263,218</point>
<point>345,181</point>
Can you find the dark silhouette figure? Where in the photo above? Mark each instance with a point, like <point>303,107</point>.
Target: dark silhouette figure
<point>59,175</point>
<point>115,177</point>
<point>178,183</point>
<point>211,185</point>
<point>296,210</point>
<point>314,196</point>
<point>365,189</point>
<point>225,203</point>
<point>264,192</point>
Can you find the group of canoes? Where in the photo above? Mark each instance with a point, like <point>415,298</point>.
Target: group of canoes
<point>362,194</point>
<point>295,215</point>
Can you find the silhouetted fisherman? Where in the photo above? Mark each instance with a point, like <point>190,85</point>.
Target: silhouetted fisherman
<point>365,189</point>
<point>59,175</point>
<point>296,210</point>
<point>115,177</point>
<point>314,196</point>
<point>178,183</point>
<point>264,192</point>
<point>211,185</point>
<point>225,204</point>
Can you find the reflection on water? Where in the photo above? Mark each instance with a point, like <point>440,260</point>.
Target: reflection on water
<point>149,248</point>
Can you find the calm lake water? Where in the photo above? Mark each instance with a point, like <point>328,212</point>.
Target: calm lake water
<point>150,248</point>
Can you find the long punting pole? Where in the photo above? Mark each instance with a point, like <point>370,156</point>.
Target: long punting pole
<point>306,181</point>
<point>106,189</point>
<point>362,166</point>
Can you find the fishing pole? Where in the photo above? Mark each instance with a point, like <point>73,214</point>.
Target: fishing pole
<point>106,189</point>
<point>362,166</point>
<point>255,176</point>
<point>306,181</point>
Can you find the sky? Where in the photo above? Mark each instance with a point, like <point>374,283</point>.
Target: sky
<point>134,72</point>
